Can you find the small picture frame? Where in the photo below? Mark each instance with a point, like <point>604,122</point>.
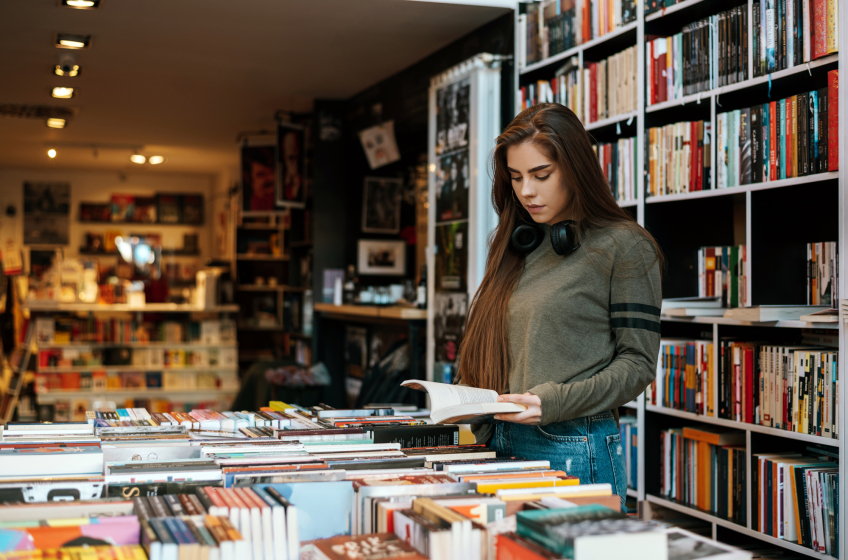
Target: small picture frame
<point>291,165</point>
<point>384,258</point>
<point>381,198</point>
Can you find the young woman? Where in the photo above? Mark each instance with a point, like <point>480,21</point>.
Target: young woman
<point>566,320</point>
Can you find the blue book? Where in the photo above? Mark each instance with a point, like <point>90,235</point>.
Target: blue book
<point>770,26</point>
<point>814,140</point>
<point>324,509</point>
<point>765,141</point>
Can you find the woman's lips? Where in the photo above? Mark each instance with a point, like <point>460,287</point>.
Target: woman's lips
<point>535,208</point>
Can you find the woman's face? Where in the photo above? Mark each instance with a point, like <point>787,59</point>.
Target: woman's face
<point>538,184</point>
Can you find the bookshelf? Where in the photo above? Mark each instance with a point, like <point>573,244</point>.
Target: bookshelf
<point>745,214</point>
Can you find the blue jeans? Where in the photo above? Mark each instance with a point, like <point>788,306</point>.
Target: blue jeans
<point>588,448</point>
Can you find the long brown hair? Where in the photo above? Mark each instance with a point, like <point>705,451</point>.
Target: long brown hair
<point>484,359</point>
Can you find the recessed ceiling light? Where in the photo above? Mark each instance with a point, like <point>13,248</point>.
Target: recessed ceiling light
<point>81,4</point>
<point>69,71</point>
<point>56,123</point>
<point>63,92</point>
<point>69,41</point>
<point>51,153</point>
<point>138,158</point>
<point>155,160</point>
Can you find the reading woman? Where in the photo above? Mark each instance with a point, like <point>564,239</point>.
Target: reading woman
<point>566,319</point>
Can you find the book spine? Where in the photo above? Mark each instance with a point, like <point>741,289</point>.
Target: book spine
<point>833,122</point>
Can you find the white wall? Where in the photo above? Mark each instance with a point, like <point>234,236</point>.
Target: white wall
<point>99,186</point>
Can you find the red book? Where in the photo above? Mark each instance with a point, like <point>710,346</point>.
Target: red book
<point>833,120</point>
<point>789,136</point>
<point>693,153</point>
<point>510,546</point>
<point>773,140</point>
<point>819,28</point>
<point>587,21</point>
<point>593,89</point>
<point>662,63</point>
<point>749,385</point>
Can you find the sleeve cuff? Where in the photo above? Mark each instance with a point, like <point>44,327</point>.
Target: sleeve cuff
<point>550,402</point>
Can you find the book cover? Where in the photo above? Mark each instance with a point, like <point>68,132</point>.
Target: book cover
<point>168,208</point>
<point>745,149</point>
<point>819,32</point>
<point>123,207</point>
<point>822,126</point>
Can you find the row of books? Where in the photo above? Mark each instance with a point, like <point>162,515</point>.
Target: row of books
<point>793,388</point>
<point>792,137</point>
<point>679,158</point>
<point>706,54</point>
<point>790,33</point>
<point>68,330</point>
<point>722,273</point>
<point>101,381</point>
<point>550,27</point>
<point>138,357</point>
<point>797,499</point>
<point>823,273</point>
<point>289,481</point>
<point>705,467</point>
<point>565,88</point>
<point>87,552</point>
<point>618,163</point>
<point>161,208</point>
<point>629,433</point>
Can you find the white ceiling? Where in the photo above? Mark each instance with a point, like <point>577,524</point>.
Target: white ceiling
<point>183,77</point>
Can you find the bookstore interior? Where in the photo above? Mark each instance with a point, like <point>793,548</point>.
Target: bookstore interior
<point>241,242</point>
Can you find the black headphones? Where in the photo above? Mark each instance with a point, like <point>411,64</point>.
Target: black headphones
<point>526,237</point>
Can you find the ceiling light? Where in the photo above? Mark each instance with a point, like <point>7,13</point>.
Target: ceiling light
<point>68,41</point>
<point>51,153</point>
<point>69,71</point>
<point>63,92</point>
<point>138,158</point>
<point>155,160</point>
<point>81,4</point>
<point>56,123</point>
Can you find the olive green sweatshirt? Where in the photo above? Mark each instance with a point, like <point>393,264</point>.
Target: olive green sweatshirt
<point>584,330</point>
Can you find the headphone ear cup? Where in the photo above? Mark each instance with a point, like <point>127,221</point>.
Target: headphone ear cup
<point>562,238</point>
<point>526,238</point>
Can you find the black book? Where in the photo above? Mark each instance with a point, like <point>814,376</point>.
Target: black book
<point>757,144</point>
<point>756,38</point>
<point>803,512</point>
<point>799,32</point>
<point>783,58</point>
<point>417,436</point>
<point>745,146</point>
<point>732,27</point>
<point>721,507</point>
<point>685,70</point>
<point>722,401</point>
<point>803,154</point>
<point>821,158</point>
<point>742,47</point>
<point>720,45</point>
<point>780,131</point>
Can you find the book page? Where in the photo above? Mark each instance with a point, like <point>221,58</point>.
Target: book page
<point>443,395</point>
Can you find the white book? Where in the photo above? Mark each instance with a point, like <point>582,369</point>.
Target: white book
<point>695,312</point>
<point>456,404</point>
<point>685,545</point>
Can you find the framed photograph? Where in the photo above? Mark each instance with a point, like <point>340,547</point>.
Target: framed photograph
<point>387,258</point>
<point>258,177</point>
<point>381,199</point>
<point>47,209</point>
<point>291,165</point>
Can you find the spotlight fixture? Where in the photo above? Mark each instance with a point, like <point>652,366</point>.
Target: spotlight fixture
<point>51,153</point>
<point>69,41</point>
<point>155,160</point>
<point>138,158</point>
<point>56,123</point>
<point>63,92</point>
<point>69,71</point>
<point>81,4</point>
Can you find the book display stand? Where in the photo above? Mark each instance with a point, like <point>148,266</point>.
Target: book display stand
<point>767,223</point>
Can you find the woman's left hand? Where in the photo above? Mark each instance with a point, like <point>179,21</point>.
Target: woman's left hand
<point>531,416</point>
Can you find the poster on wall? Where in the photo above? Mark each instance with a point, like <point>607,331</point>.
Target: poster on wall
<point>46,213</point>
<point>381,199</point>
<point>452,117</point>
<point>380,144</point>
<point>258,178</point>
<point>291,171</point>
<point>452,257</point>
<point>449,321</point>
<point>452,184</point>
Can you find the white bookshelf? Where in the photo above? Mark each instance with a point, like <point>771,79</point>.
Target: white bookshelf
<point>710,103</point>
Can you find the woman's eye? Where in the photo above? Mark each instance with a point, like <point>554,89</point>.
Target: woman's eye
<point>543,178</point>
<point>516,178</point>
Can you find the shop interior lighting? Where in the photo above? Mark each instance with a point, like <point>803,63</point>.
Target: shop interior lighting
<point>155,160</point>
<point>51,153</point>
<point>69,41</point>
<point>138,158</point>
<point>73,72</point>
<point>56,123</point>
<point>81,4</point>
<point>63,92</point>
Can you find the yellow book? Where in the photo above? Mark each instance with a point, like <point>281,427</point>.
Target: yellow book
<point>492,487</point>
<point>279,406</point>
<point>533,497</point>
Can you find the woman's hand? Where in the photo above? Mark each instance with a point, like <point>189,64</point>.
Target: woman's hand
<point>532,416</point>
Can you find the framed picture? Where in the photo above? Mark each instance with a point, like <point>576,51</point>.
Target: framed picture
<point>258,178</point>
<point>46,213</point>
<point>387,258</point>
<point>291,165</point>
<point>381,205</point>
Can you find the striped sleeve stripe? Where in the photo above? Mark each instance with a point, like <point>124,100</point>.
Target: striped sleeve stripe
<point>637,307</point>
<point>633,323</point>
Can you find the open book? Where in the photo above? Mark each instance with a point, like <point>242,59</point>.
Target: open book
<point>455,404</point>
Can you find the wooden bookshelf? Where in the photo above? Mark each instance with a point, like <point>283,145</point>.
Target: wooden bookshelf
<point>746,209</point>
<point>123,307</point>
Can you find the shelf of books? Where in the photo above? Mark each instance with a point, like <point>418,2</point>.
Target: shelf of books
<point>161,356</point>
<point>735,135</point>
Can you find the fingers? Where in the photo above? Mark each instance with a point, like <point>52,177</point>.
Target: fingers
<point>530,416</point>
<point>526,399</point>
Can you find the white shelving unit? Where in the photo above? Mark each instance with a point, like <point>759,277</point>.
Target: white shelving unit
<point>710,103</point>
